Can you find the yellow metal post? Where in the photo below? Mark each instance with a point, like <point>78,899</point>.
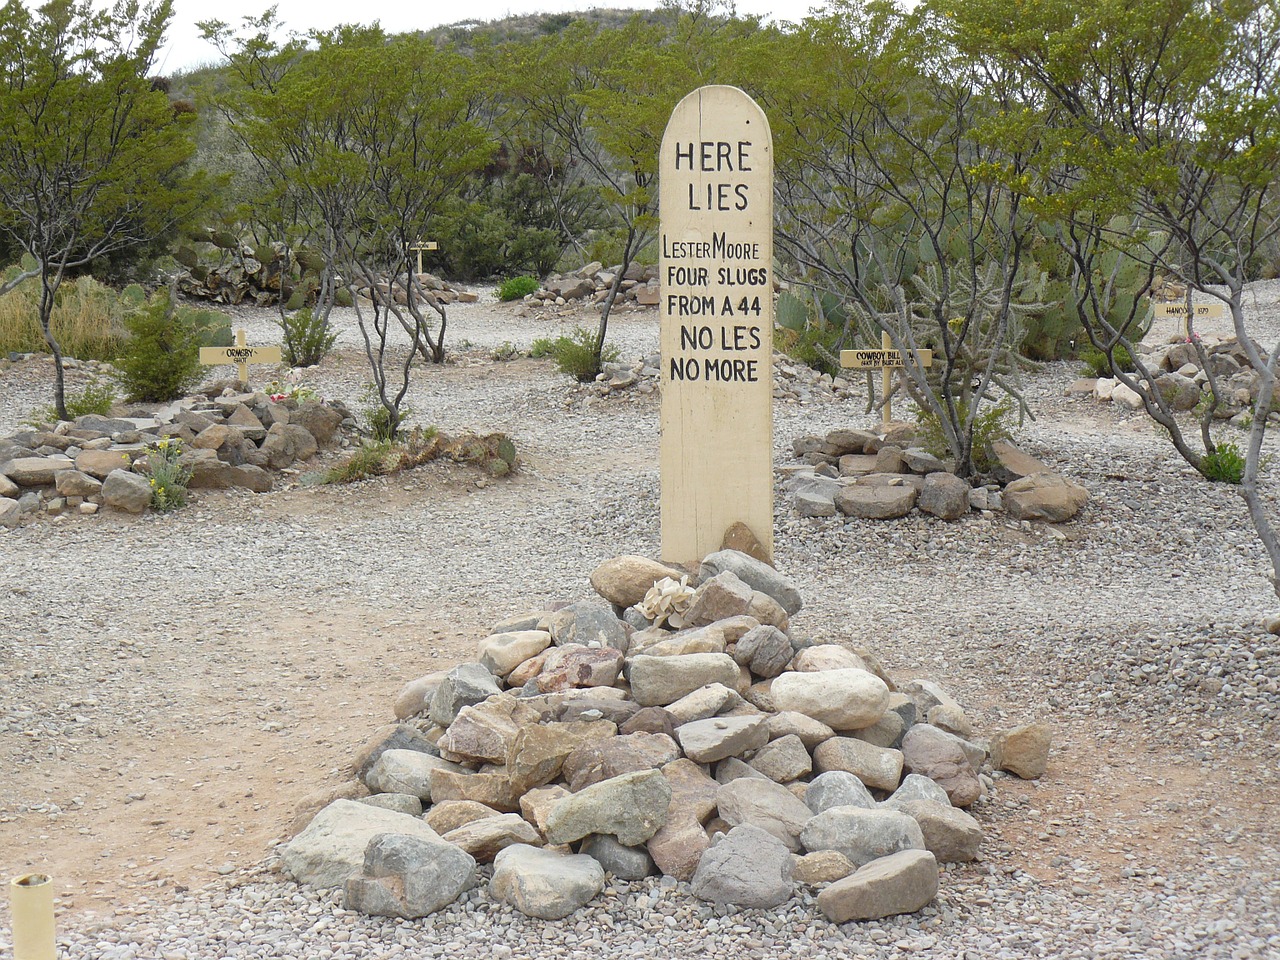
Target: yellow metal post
<point>31,907</point>
<point>885,378</point>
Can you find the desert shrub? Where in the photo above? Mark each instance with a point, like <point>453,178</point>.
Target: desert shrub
<point>307,338</point>
<point>161,359</point>
<point>370,459</point>
<point>542,347</point>
<point>507,351</point>
<point>168,479</point>
<point>97,397</point>
<point>1224,465</point>
<point>517,288</point>
<point>988,427</point>
<point>576,354</point>
<point>816,347</point>
<point>1096,363</point>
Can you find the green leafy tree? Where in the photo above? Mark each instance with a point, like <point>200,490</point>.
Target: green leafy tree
<point>885,207</point>
<point>1155,132</point>
<point>93,160</point>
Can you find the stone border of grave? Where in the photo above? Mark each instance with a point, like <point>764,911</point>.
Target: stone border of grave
<point>1182,382</point>
<point>231,439</point>
<point>735,753</point>
<point>591,283</point>
<point>878,475</point>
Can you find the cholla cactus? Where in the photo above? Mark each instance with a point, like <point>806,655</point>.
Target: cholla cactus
<point>667,601</point>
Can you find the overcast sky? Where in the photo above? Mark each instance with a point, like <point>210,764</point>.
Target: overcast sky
<point>185,49</point>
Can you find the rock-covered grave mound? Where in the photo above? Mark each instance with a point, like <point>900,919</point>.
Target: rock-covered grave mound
<point>880,475</point>
<point>679,726</point>
<point>230,439</point>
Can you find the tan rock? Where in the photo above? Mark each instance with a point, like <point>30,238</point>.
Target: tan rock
<point>823,866</point>
<point>625,580</point>
<point>1023,750</point>
<point>451,814</point>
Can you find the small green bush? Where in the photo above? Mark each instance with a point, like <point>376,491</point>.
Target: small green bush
<point>168,479</point>
<point>161,359</point>
<point>369,460</point>
<point>542,347</point>
<point>306,338</point>
<point>517,288</point>
<point>988,427</point>
<point>576,355</point>
<point>1224,465</point>
<point>507,351</point>
<point>97,397</point>
<point>1096,363</point>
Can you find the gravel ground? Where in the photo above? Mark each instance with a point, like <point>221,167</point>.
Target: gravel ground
<point>170,686</point>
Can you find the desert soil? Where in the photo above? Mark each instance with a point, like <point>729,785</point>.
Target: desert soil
<point>173,686</point>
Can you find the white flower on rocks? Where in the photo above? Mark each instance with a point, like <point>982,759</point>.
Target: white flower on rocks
<point>667,601</point>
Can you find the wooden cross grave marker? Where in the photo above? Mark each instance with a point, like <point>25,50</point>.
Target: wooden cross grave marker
<point>886,359</point>
<point>423,245</point>
<point>241,354</point>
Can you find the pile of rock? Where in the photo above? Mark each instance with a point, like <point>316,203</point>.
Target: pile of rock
<point>881,476</point>
<point>436,289</point>
<point>1182,381</point>
<point>592,282</point>
<point>733,754</point>
<point>230,440</point>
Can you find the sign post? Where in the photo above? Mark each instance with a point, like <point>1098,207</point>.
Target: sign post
<point>716,312</point>
<point>241,355</point>
<point>885,359</point>
<point>423,245</point>
<point>1199,311</point>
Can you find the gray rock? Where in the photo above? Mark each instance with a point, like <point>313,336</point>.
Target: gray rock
<point>919,460</point>
<point>878,767</point>
<point>484,837</point>
<point>35,471</point>
<point>600,759</point>
<point>939,756</point>
<point>916,787</point>
<point>545,884</point>
<point>586,622</point>
<point>399,802</point>
<point>631,808</point>
<point>706,741</point>
<point>625,863</point>
<point>838,788</point>
<point>463,686</point>
<point>718,598</point>
<point>783,760</point>
<point>396,736</point>
<point>658,681</point>
<point>764,804</point>
<point>332,846</point>
<point>734,769</point>
<point>862,835</point>
<point>951,835</point>
<point>10,512</point>
<point>73,483</point>
<point>126,491</point>
<point>944,495</point>
<point>746,868</point>
<point>843,699</point>
<point>406,771</point>
<point>810,503</point>
<point>765,651</point>
<point>902,883</point>
<point>876,502</point>
<point>705,702</point>
<point>1047,497</point>
<point>790,723</point>
<point>755,574</point>
<point>408,876</point>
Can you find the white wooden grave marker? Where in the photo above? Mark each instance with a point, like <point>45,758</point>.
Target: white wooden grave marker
<point>716,311</point>
<point>241,354</point>
<point>885,359</point>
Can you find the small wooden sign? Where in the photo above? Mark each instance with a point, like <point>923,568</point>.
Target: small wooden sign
<point>1203,311</point>
<point>861,359</point>
<point>884,359</point>
<point>716,311</point>
<point>241,354</point>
